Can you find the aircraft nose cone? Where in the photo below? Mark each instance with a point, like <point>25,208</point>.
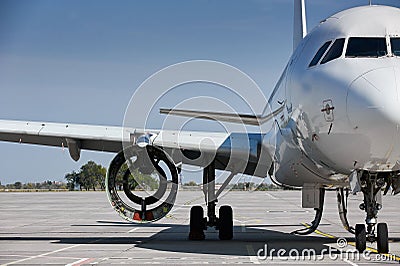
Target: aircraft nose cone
<point>373,109</point>
<point>375,97</point>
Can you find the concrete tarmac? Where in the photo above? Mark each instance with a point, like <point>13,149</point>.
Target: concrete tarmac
<point>76,228</point>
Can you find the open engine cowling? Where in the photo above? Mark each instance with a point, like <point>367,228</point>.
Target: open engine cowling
<point>127,172</point>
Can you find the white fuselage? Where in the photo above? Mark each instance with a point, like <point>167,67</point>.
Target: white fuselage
<point>343,114</point>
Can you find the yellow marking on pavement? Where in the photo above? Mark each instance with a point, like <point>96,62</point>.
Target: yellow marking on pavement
<point>171,216</point>
<point>373,250</point>
<point>192,200</point>
<point>319,232</point>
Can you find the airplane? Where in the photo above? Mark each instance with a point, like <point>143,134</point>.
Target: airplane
<point>332,118</point>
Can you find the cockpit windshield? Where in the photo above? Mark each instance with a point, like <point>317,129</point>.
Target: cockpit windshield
<point>366,47</point>
<point>320,53</point>
<point>334,52</point>
<point>395,43</point>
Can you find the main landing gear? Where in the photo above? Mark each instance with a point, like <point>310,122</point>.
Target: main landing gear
<point>199,223</point>
<point>371,185</point>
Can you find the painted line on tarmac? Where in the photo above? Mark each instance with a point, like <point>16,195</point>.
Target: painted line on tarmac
<point>134,229</point>
<point>271,196</point>
<point>350,262</point>
<point>187,203</point>
<point>353,244</point>
<point>43,255</point>
<point>49,253</point>
<point>318,231</point>
<point>100,261</point>
<point>243,227</point>
<point>80,262</point>
<point>252,255</point>
<point>192,200</point>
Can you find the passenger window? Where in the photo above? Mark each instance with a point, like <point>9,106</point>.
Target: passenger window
<point>319,54</point>
<point>334,52</point>
<point>395,42</point>
<point>366,47</point>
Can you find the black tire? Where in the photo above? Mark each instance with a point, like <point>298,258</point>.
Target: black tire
<point>225,223</point>
<point>196,223</point>
<point>382,238</point>
<point>361,237</point>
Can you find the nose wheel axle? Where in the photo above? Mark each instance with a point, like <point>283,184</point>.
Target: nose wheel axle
<point>381,238</point>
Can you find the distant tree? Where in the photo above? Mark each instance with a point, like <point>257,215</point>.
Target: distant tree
<point>143,181</point>
<point>101,177</point>
<point>17,185</point>
<point>191,183</point>
<point>264,187</point>
<point>28,186</point>
<point>120,176</point>
<point>73,179</point>
<point>136,179</point>
<point>92,175</point>
<point>239,186</point>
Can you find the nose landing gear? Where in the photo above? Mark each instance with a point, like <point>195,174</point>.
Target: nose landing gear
<point>371,185</point>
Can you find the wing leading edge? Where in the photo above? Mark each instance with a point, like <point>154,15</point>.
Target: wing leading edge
<point>246,119</point>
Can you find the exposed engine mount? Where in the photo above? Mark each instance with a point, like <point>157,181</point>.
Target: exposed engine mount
<point>127,170</point>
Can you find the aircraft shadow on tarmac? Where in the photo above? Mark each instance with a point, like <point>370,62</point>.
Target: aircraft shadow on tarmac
<point>247,239</point>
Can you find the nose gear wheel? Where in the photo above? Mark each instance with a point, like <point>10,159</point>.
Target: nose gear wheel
<point>371,185</point>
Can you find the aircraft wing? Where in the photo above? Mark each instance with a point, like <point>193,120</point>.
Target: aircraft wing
<point>190,147</point>
<point>73,136</point>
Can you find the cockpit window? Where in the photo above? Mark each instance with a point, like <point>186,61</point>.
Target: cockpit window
<point>334,52</point>
<point>395,43</point>
<point>366,47</point>
<point>319,54</point>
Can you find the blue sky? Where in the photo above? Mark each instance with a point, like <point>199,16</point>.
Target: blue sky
<point>80,61</point>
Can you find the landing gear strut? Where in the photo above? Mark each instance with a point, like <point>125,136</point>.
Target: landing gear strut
<point>371,185</point>
<point>199,223</point>
<point>342,208</point>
